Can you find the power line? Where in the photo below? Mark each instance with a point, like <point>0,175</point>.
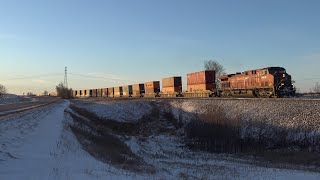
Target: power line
<point>37,76</point>
<point>99,77</point>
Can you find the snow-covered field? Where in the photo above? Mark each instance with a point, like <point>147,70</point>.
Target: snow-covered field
<point>160,145</point>
<point>40,145</point>
<point>10,98</point>
<point>122,111</point>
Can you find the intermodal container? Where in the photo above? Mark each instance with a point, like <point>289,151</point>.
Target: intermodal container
<point>105,92</point>
<point>138,90</point>
<point>93,93</point>
<point>171,90</point>
<point>202,77</point>
<point>152,87</point>
<point>99,92</point>
<point>125,91</point>
<point>172,82</point>
<point>86,93</point>
<point>111,92</point>
<point>171,85</point>
<point>130,90</point>
<point>200,87</point>
<point>118,91</point>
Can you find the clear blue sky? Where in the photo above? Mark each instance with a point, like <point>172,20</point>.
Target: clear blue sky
<point>147,39</point>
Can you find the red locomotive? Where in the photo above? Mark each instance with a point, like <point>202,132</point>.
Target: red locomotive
<point>266,82</point>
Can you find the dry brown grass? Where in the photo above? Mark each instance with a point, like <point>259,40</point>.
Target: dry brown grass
<point>98,139</point>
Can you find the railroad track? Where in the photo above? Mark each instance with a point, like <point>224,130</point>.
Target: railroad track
<point>26,108</point>
<point>206,98</point>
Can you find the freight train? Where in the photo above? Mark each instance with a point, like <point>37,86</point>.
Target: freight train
<point>265,83</point>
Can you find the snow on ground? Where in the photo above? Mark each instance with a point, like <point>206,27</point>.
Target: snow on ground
<point>298,117</point>
<point>174,161</point>
<point>122,111</point>
<point>10,98</point>
<point>40,145</point>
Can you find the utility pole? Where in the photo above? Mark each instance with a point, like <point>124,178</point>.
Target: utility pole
<point>65,77</point>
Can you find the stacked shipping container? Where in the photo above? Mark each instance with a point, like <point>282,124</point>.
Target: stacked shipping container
<point>171,85</point>
<point>105,92</point>
<point>118,91</point>
<point>152,88</point>
<point>111,92</point>
<point>138,90</point>
<point>125,91</point>
<point>201,81</point>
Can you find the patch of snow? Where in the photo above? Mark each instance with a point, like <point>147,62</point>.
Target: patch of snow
<point>122,111</point>
<point>40,145</point>
<point>174,161</point>
<point>10,99</point>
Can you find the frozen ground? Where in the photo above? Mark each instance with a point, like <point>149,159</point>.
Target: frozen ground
<point>160,144</point>
<point>40,145</point>
<point>11,98</point>
<point>122,111</point>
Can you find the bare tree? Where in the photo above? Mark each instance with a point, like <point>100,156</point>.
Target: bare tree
<point>216,66</point>
<point>45,93</point>
<point>63,91</point>
<point>3,90</point>
<point>316,88</point>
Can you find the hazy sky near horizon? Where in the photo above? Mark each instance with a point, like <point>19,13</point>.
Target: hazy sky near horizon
<point>127,41</point>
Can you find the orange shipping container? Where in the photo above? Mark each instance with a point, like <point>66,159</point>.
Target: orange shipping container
<point>104,92</point>
<point>125,91</point>
<point>152,87</point>
<point>200,88</point>
<point>171,82</point>
<point>203,77</point>
<point>110,92</point>
<point>138,90</point>
<point>117,91</point>
<point>170,90</point>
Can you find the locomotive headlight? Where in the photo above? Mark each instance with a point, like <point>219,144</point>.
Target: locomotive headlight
<point>282,84</point>
<point>284,75</point>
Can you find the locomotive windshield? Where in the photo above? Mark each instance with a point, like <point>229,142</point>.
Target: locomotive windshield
<point>277,70</point>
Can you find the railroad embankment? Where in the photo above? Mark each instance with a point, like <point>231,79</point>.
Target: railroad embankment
<point>279,131</point>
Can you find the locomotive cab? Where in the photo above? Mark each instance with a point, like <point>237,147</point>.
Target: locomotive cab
<point>282,82</point>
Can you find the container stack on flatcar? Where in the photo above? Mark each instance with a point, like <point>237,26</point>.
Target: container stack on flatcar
<point>104,92</point>
<point>118,91</point>
<point>201,84</point>
<point>86,93</point>
<point>111,92</point>
<point>152,89</point>
<point>130,90</point>
<point>125,91</point>
<point>171,87</point>
<point>138,90</point>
